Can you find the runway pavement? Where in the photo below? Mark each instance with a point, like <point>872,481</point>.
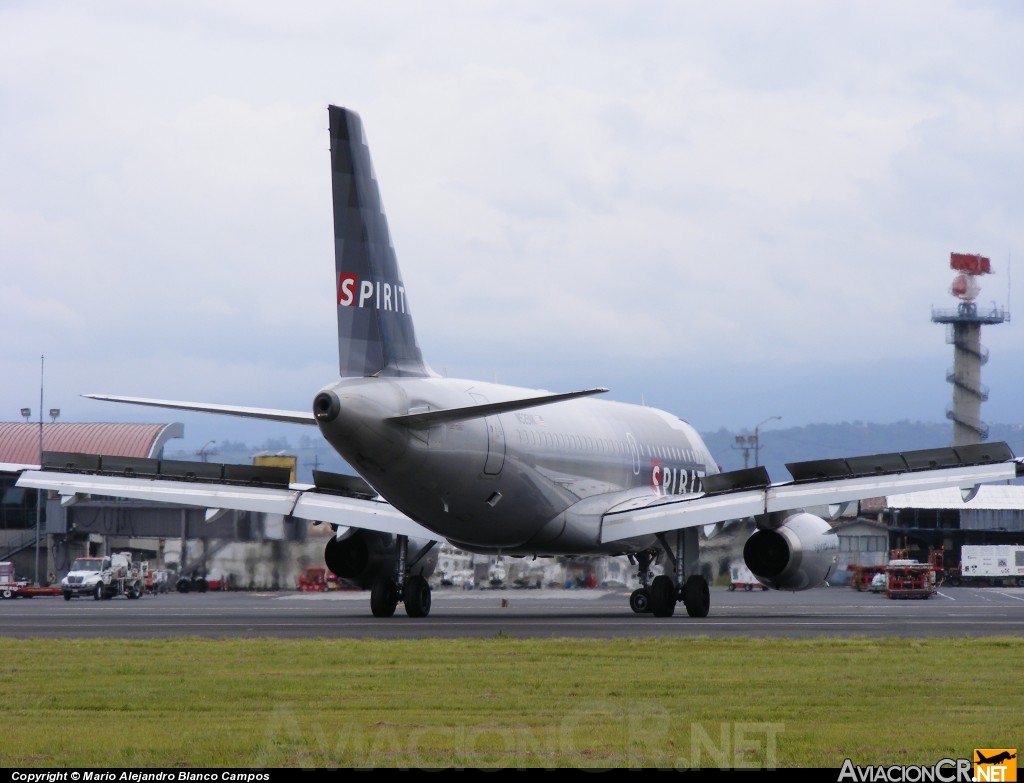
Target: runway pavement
<point>825,611</point>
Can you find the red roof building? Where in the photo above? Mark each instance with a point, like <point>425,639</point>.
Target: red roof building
<point>19,441</point>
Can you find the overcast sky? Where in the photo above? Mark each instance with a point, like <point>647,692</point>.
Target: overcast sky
<point>730,210</point>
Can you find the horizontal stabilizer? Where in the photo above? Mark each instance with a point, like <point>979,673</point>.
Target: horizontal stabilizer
<point>267,414</point>
<point>428,418</point>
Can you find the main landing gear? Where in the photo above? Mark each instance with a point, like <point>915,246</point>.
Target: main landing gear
<point>412,589</point>
<point>660,595</point>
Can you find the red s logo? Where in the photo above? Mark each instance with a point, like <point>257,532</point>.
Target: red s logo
<point>347,289</point>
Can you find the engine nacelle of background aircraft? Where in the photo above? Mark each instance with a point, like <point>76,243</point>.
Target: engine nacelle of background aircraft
<point>799,554</point>
<point>364,555</point>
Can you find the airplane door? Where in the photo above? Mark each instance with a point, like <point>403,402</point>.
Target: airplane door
<point>495,441</point>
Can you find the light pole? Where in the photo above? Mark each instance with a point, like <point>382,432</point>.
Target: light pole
<point>745,442</point>
<point>39,492</point>
<point>757,440</point>
<point>203,452</point>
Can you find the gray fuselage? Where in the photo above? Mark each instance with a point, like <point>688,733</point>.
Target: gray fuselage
<point>532,481</point>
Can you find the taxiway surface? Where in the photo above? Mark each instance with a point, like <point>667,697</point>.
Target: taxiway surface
<point>825,611</point>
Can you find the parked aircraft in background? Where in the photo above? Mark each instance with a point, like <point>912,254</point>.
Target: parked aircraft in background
<point>500,470</point>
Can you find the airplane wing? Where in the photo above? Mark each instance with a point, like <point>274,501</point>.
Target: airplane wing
<point>268,414</point>
<point>344,501</point>
<point>830,484</point>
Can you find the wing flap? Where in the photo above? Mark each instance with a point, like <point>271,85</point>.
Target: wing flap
<point>354,512</point>
<point>832,491</point>
<point>299,501</point>
<point>270,500</point>
<point>664,515</point>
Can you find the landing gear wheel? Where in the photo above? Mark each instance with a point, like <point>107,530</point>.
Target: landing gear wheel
<point>416,596</point>
<point>383,597</point>
<point>697,596</point>
<point>663,596</point>
<point>639,601</point>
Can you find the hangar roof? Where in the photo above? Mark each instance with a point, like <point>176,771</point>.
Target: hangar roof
<point>19,441</point>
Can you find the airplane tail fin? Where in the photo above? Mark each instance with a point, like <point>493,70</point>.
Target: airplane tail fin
<point>375,329</point>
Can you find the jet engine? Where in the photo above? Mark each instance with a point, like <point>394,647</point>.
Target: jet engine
<point>799,554</point>
<point>363,555</point>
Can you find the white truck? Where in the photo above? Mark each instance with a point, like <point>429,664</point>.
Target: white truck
<point>9,584</point>
<point>105,577</point>
<point>996,564</point>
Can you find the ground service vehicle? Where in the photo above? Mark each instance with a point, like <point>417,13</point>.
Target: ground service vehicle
<point>105,577</point>
<point>9,584</point>
<point>908,578</point>
<point>741,577</point>
<point>996,564</point>
<point>12,587</point>
<point>159,581</point>
<point>316,579</point>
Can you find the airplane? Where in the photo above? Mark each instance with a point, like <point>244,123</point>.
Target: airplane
<point>996,759</point>
<point>501,470</point>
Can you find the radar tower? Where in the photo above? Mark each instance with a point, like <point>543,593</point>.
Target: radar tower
<point>963,331</point>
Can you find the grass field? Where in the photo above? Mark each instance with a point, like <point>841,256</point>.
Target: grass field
<point>764,703</point>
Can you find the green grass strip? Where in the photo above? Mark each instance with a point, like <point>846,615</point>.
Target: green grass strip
<point>601,703</point>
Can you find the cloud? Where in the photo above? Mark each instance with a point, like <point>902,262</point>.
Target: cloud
<point>663,199</point>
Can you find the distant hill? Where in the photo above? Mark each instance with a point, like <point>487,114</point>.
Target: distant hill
<point>779,445</point>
